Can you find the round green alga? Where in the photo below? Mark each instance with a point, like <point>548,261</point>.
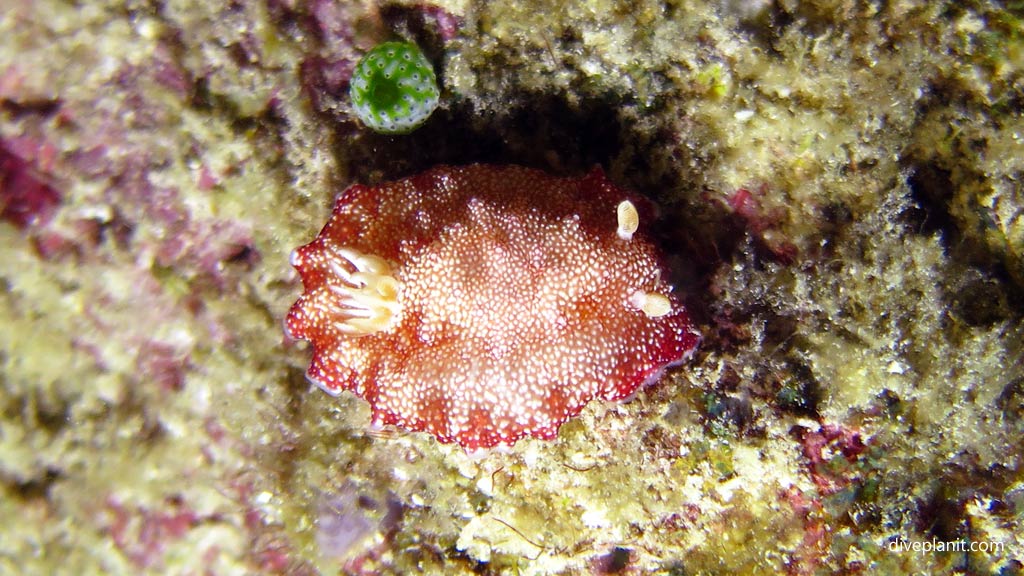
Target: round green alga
<point>394,89</point>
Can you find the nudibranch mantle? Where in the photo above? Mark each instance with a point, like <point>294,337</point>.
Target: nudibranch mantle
<point>483,304</point>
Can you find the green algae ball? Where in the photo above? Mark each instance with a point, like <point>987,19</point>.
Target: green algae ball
<point>393,88</point>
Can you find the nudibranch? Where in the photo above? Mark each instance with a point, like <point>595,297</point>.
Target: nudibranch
<point>484,304</point>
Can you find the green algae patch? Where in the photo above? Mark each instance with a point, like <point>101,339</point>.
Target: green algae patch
<point>394,89</point>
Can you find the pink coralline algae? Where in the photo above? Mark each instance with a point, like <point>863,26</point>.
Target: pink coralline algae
<point>25,199</point>
<point>484,304</point>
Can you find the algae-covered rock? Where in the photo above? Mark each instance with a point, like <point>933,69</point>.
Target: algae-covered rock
<point>838,191</point>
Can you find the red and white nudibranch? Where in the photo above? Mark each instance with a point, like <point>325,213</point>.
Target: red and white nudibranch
<point>484,304</point>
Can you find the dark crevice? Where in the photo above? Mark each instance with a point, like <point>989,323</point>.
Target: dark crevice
<point>980,290</point>
<point>548,134</point>
<point>931,188</point>
<point>34,488</point>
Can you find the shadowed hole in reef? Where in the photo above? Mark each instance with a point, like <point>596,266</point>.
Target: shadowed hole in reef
<point>1011,402</point>
<point>35,487</point>
<point>979,301</point>
<point>943,513</point>
<point>799,391</point>
<point>426,24</point>
<point>547,134</point>
<point>931,188</point>
<point>982,292</point>
<point>298,389</point>
<point>50,413</point>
